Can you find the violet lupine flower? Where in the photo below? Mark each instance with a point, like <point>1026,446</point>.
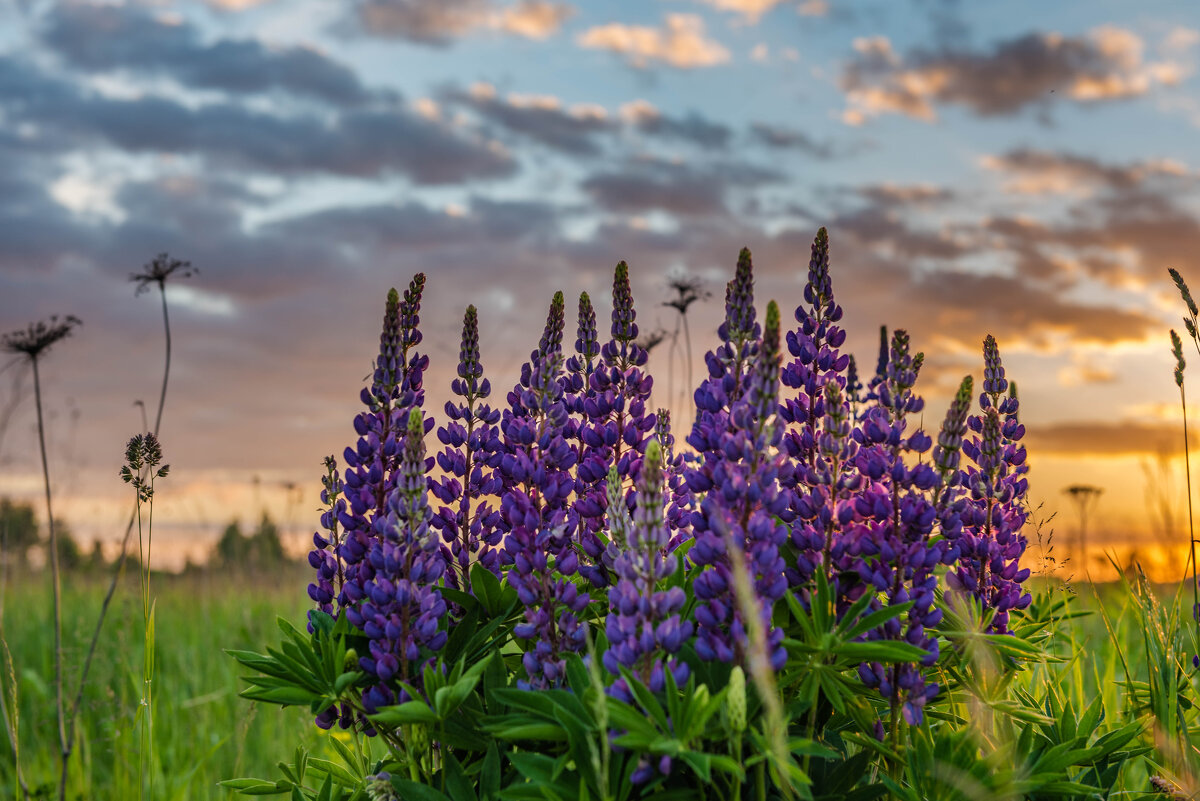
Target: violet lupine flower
<point>817,363</point>
<point>727,370</point>
<point>402,609</point>
<point>324,556</point>
<point>536,467</point>
<point>854,387</point>
<point>577,381</point>
<point>823,497</point>
<point>880,366</point>
<point>947,453</point>
<point>644,627</point>
<point>814,346</point>
<point>991,543</point>
<point>371,465</point>
<point>677,494</point>
<point>890,536</point>
<point>469,463</point>
<point>615,426</point>
<point>740,475</point>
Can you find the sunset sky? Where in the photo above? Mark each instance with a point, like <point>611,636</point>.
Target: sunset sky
<point>1026,169</point>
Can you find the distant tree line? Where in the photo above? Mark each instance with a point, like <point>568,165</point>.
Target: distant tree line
<point>20,534</point>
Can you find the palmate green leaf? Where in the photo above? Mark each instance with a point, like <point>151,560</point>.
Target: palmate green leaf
<point>885,651</point>
<point>334,771</point>
<point>405,714</point>
<point>487,589</point>
<point>489,774</point>
<point>458,786</point>
<point>260,663</point>
<point>412,791</point>
<point>256,786</point>
<point>875,619</point>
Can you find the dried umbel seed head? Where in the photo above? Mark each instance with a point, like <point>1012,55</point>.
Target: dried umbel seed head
<point>159,270</point>
<point>38,337</point>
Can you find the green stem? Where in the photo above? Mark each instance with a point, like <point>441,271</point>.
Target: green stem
<point>56,586</point>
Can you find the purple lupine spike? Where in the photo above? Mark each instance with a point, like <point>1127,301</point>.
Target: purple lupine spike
<point>880,366</point>
<point>469,531</point>
<point>947,451</point>
<point>324,556</point>
<point>536,468</point>
<point>402,610</point>
<point>740,479</point>
<point>739,322</point>
<point>679,497</point>
<point>371,465</point>
<point>614,429</point>
<point>994,383</point>
<point>891,530</point>
<point>854,386</point>
<point>644,627</point>
<point>823,497</point>
<point>991,542</point>
<point>587,345</point>
<point>817,363</point>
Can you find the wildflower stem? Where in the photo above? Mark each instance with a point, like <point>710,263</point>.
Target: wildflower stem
<point>55,583</point>
<point>162,398</point>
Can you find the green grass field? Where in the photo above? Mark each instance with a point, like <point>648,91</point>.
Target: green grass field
<point>204,732</point>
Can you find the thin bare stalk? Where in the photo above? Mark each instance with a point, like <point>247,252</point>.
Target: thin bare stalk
<point>158,271</point>
<point>162,398</point>
<point>55,585</point>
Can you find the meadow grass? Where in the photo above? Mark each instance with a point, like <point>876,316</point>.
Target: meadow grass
<point>203,731</point>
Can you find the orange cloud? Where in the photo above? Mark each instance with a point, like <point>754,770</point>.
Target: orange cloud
<point>683,43</point>
<point>1036,68</point>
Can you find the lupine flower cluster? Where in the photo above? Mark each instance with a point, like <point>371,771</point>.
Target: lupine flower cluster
<point>797,470</point>
<point>469,463</point>
<point>537,472</point>
<point>991,543</point>
<point>615,423</point>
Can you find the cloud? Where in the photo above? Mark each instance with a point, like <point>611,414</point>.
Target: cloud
<point>440,22</point>
<point>676,188</point>
<point>236,5</point>
<point>1031,69</point>
<point>533,19</point>
<point>1103,438</point>
<point>366,141</point>
<point>540,118</point>
<point>693,127</point>
<point>750,10</point>
<point>683,43</point>
<point>1042,172</point>
<point>129,39</point>
<point>783,137</point>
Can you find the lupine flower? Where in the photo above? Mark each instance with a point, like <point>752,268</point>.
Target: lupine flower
<point>816,365</point>
<point>469,463</point>
<point>880,366</point>
<point>324,556</point>
<point>991,542</point>
<point>892,546</point>
<point>947,451</point>
<point>823,496</point>
<point>402,609</point>
<point>740,477</point>
<point>644,627</point>
<point>372,465</point>
<point>814,346</point>
<point>615,424</point>
<point>536,468</point>
<point>854,387</point>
